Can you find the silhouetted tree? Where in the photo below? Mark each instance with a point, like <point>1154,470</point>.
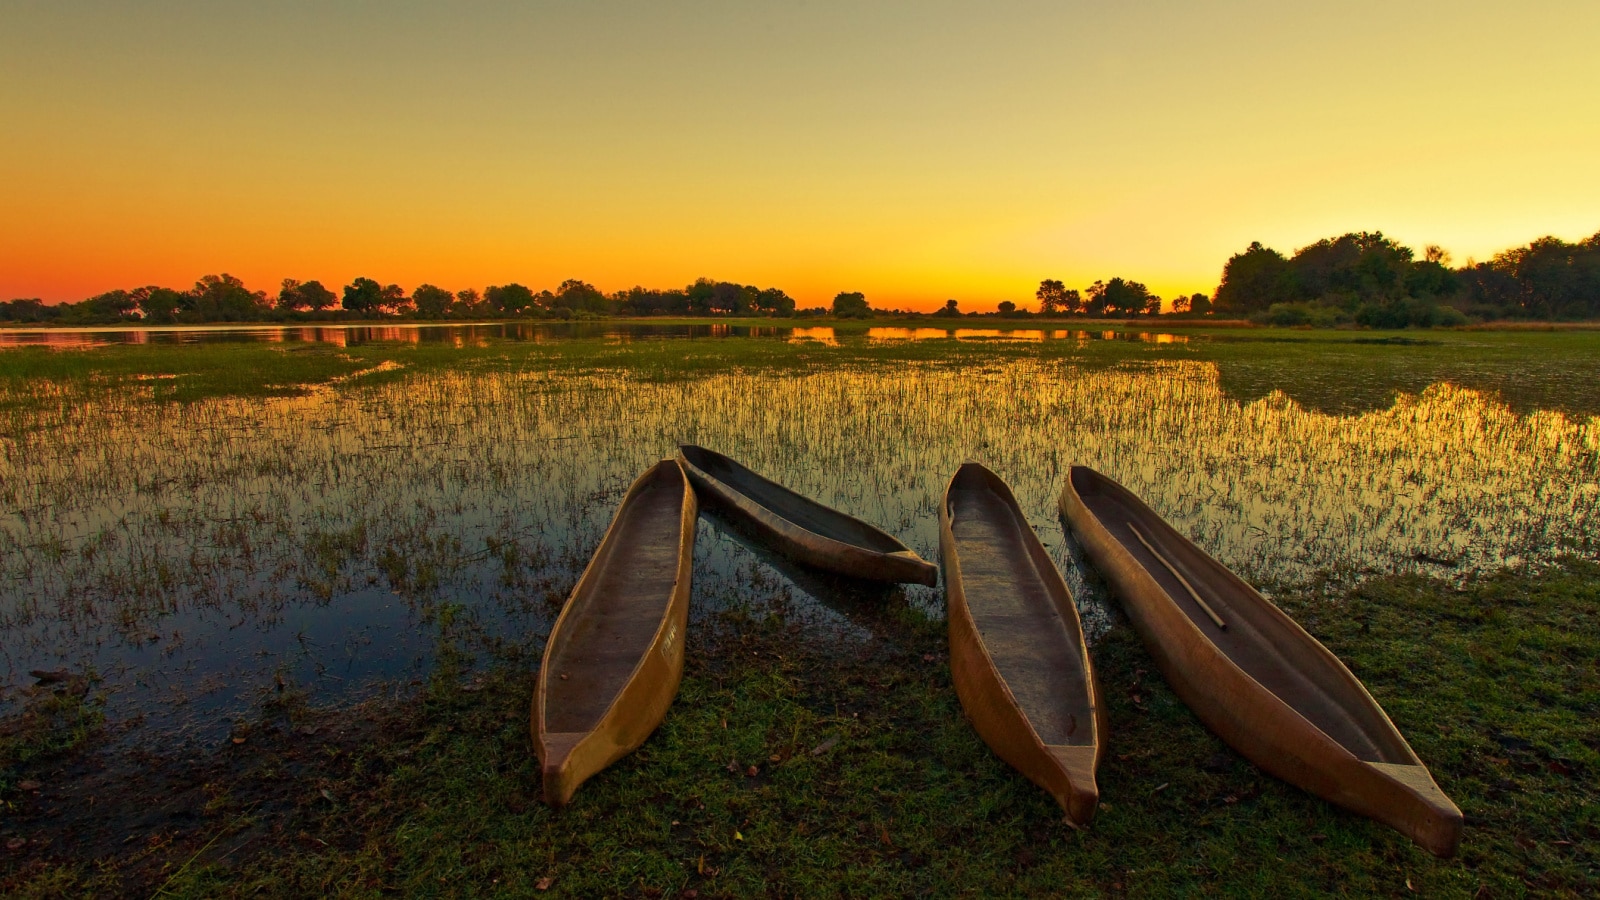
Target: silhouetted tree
<point>1006,308</point>
<point>774,302</point>
<point>1255,279</point>
<point>509,299</point>
<point>289,295</point>
<point>363,296</point>
<point>949,309</point>
<point>316,297</point>
<point>159,305</point>
<point>699,295</point>
<point>30,310</point>
<point>1051,296</point>
<point>851,305</point>
<point>432,302</point>
<point>110,306</point>
<point>580,296</point>
<point>224,298</point>
<point>1549,279</point>
<point>1180,304</point>
<point>1119,296</point>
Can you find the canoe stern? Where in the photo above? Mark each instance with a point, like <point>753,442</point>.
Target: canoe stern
<point>1423,812</point>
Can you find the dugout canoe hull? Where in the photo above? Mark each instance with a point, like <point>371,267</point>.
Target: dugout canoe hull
<point>1017,654</point>
<point>1259,681</point>
<point>799,527</point>
<point>614,658</point>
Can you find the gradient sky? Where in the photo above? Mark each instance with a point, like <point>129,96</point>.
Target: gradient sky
<point>913,151</point>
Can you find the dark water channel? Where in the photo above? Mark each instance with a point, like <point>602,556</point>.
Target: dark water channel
<point>196,556</point>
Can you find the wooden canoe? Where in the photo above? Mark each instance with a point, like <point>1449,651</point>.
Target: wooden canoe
<point>800,528</point>
<point>614,658</point>
<point>1258,679</point>
<point>1017,654</point>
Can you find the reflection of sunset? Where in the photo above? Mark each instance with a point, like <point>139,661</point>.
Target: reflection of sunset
<point>906,334</point>
<point>995,334</point>
<point>822,335</point>
<point>97,552</point>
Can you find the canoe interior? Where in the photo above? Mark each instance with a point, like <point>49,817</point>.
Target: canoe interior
<point>806,513</point>
<point>1018,612</point>
<point>612,624</point>
<point>1258,638</point>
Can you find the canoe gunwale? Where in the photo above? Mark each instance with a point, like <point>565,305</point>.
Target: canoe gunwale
<point>900,565</point>
<point>1306,640</point>
<point>1253,717</point>
<point>965,637</point>
<point>673,610</point>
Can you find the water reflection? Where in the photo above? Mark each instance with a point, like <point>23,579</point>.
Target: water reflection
<point>820,335</point>
<point>528,332</point>
<point>995,334</point>
<point>190,551</point>
<point>906,334</point>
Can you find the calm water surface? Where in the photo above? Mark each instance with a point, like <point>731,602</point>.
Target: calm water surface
<point>535,332</point>
<point>195,555</point>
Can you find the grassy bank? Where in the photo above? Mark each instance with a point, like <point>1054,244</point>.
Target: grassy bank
<point>1335,371</point>
<point>789,767</point>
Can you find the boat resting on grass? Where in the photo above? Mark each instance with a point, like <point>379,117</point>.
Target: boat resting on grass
<point>614,658</point>
<point>800,528</point>
<point>1017,653</point>
<point>1251,673</point>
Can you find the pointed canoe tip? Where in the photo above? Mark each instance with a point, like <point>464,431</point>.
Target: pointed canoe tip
<point>1438,828</point>
<point>555,755</point>
<point>558,783</point>
<point>1082,797</point>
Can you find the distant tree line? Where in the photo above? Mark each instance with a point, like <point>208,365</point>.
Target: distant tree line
<point>1368,279</point>
<point>224,298</point>
<point>1361,278</point>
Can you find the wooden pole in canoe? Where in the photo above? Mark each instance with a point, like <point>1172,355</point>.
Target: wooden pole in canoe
<point>1179,575</point>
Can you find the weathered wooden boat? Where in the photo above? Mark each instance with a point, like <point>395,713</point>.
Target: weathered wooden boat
<point>1251,673</point>
<point>800,528</point>
<point>614,657</point>
<point>1017,653</point>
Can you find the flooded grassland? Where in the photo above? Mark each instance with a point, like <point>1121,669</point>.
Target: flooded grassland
<point>194,554</point>
<point>205,529</point>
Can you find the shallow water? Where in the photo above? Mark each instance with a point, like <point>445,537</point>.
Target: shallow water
<point>197,555</point>
<point>534,332</point>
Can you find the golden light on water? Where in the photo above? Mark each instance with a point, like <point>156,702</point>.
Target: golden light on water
<point>128,526</point>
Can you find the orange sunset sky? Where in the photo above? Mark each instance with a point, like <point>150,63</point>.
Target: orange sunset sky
<point>913,151</point>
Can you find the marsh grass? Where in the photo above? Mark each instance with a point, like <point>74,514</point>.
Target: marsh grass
<point>1333,371</point>
<point>248,532</point>
<point>140,533</point>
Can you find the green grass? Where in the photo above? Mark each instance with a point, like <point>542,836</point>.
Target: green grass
<point>52,720</point>
<point>879,788</point>
<point>1336,371</point>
